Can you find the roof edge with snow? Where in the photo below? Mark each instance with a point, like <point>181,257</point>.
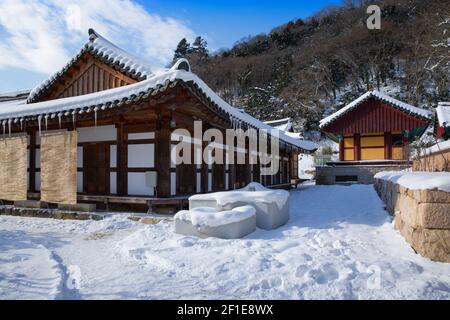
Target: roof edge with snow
<point>133,93</point>
<point>105,51</point>
<point>402,106</point>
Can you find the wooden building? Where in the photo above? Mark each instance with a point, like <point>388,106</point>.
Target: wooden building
<point>124,115</point>
<point>372,132</point>
<point>373,127</point>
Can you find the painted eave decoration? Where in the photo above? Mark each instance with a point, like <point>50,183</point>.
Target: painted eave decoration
<point>404,107</point>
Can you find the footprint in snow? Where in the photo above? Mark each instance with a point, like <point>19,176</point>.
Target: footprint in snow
<point>324,274</point>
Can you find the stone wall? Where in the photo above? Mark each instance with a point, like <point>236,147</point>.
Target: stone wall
<point>365,173</point>
<point>438,161</point>
<point>421,216</point>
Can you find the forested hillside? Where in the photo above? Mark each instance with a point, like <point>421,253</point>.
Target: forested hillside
<point>306,69</point>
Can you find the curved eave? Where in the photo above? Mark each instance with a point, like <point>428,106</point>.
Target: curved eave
<point>333,118</point>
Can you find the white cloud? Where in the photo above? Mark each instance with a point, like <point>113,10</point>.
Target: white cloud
<point>41,36</point>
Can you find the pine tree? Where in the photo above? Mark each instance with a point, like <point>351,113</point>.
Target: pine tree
<point>182,51</point>
<point>199,52</point>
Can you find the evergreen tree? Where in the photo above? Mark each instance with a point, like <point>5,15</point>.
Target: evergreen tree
<point>182,51</point>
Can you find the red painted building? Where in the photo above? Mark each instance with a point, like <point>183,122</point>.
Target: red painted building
<point>373,127</point>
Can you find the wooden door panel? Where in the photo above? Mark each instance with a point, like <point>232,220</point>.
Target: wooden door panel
<point>96,165</point>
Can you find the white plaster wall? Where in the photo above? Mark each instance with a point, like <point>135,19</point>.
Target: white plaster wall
<point>141,136</point>
<point>226,181</point>
<point>173,183</point>
<point>99,133</point>
<point>79,181</point>
<point>141,155</point>
<point>37,181</point>
<point>113,182</point>
<point>113,156</point>
<point>137,185</point>
<point>38,158</point>
<point>80,157</point>
<point>199,182</point>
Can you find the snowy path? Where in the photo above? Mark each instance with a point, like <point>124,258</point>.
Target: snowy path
<point>339,243</point>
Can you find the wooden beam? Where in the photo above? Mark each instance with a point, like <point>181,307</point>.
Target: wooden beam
<point>121,161</point>
<point>162,158</point>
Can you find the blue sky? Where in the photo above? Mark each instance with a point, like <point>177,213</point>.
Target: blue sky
<point>225,22</point>
<point>38,37</point>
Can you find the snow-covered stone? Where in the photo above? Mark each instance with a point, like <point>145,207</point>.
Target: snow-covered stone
<point>207,222</point>
<point>418,180</point>
<point>271,206</point>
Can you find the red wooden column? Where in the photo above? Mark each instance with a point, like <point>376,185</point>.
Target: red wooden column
<point>341,149</point>
<point>387,145</point>
<point>357,139</point>
<point>162,158</point>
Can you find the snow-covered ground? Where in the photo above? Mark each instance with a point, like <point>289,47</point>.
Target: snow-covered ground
<point>338,244</point>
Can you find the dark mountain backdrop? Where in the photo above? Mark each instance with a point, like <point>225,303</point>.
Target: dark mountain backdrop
<point>306,69</point>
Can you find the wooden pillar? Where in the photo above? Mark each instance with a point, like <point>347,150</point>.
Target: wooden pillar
<point>341,149</point>
<point>357,142</point>
<point>122,161</point>
<point>162,158</point>
<point>387,145</point>
<point>32,169</point>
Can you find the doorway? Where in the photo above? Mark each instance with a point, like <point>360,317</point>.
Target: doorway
<point>96,164</point>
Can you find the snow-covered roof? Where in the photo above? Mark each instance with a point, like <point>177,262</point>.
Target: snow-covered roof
<point>443,114</point>
<point>14,95</point>
<point>379,96</point>
<point>108,53</point>
<point>98,101</point>
<point>284,124</point>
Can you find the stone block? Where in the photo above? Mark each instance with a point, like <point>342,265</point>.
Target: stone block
<point>32,204</point>
<point>434,215</point>
<point>431,243</point>
<point>81,207</point>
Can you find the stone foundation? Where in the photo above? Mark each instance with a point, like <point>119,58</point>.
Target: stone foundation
<point>48,213</point>
<point>421,216</point>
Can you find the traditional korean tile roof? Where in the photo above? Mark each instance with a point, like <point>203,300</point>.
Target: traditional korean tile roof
<point>284,124</point>
<point>407,108</point>
<point>20,95</point>
<point>179,74</point>
<point>107,52</point>
<point>443,114</point>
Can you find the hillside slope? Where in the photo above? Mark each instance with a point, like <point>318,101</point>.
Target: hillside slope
<point>308,68</point>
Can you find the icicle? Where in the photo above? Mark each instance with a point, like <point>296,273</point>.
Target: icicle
<point>21,124</point>
<point>39,124</point>
<point>4,126</point>
<point>73,117</point>
<point>46,121</point>
<point>9,127</point>
<point>95,115</point>
<point>59,119</point>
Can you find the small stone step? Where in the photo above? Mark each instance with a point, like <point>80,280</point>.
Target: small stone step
<point>80,207</point>
<point>31,204</point>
